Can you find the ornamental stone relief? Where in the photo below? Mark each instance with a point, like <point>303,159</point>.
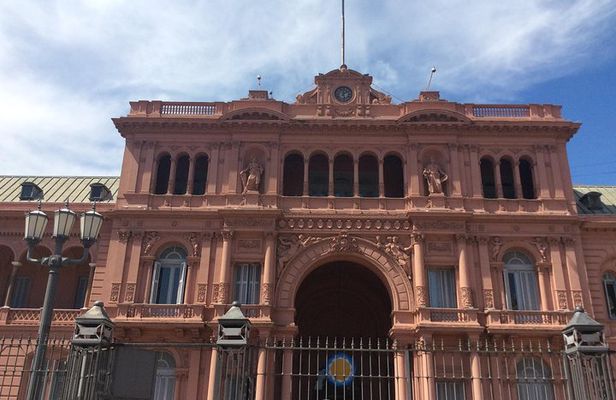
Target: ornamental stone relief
<point>395,249</point>
<point>195,243</point>
<point>495,244</point>
<point>543,248</point>
<point>359,224</point>
<point>148,242</point>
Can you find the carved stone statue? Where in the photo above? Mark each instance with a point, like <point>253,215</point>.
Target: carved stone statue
<point>251,177</point>
<point>289,247</point>
<point>435,177</point>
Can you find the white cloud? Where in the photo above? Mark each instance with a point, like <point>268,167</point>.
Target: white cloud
<point>67,67</point>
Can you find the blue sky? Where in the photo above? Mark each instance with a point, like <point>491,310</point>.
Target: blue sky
<point>68,66</point>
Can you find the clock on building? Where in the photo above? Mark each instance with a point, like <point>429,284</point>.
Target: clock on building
<point>343,94</point>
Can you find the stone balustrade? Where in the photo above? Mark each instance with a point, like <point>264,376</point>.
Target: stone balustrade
<point>185,312</point>
<point>31,316</point>
<point>446,315</point>
<point>528,317</point>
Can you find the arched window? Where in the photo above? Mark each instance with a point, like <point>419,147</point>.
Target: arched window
<point>169,277</point>
<point>368,176</point>
<point>200,178</point>
<point>609,284</point>
<point>526,179</point>
<point>293,175</point>
<point>393,176</point>
<point>343,176</point>
<point>162,174</point>
<point>506,171</point>
<point>181,175</point>
<point>534,380</point>
<point>521,282</point>
<point>487,178</point>
<point>318,175</point>
<point>164,380</point>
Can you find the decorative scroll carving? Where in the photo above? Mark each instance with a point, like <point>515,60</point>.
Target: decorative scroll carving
<point>359,224</point>
<point>115,292</point>
<point>417,237</point>
<point>495,245</point>
<point>201,292</point>
<point>466,297</point>
<point>577,298</point>
<point>343,243</point>
<point>123,236</point>
<point>542,247</point>
<point>561,296</point>
<point>568,241</point>
<point>267,289</point>
<point>227,235</point>
<point>195,243</point>
<point>488,298</point>
<point>289,246</point>
<point>435,177</point>
<point>130,292</point>
<point>421,296</point>
<point>251,177</point>
<point>148,241</point>
<point>221,292</point>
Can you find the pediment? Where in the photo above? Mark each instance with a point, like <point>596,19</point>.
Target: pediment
<point>434,115</point>
<point>254,114</point>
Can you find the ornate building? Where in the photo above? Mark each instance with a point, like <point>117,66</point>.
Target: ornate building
<point>352,230</point>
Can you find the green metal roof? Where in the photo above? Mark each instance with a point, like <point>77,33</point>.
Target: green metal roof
<point>57,189</point>
<point>608,198</point>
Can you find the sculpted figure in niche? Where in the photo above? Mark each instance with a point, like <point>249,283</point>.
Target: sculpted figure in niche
<point>251,176</point>
<point>435,177</point>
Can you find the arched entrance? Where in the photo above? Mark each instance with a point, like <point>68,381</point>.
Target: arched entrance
<point>343,299</point>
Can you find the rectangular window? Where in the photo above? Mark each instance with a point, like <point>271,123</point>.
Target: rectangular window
<point>442,288</point>
<point>21,290</point>
<point>449,390</point>
<point>247,282</point>
<point>521,289</point>
<point>610,292</point>
<point>80,293</point>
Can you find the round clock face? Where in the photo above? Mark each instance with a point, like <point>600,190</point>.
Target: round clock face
<point>343,94</point>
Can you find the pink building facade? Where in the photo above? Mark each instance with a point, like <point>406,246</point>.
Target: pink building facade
<point>428,224</point>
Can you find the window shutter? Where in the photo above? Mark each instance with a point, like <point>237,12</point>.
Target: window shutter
<point>155,278</point>
<point>182,285</point>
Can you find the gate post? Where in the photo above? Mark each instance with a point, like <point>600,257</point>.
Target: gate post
<point>89,366</point>
<point>587,359</point>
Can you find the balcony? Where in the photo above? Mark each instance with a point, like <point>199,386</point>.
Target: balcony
<point>161,312</point>
<point>527,319</point>
<point>446,317</point>
<point>32,316</point>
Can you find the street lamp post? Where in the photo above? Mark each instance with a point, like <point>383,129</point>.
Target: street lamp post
<point>36,222</point>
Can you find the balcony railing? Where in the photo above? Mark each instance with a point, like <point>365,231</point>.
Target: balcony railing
<point>449,315</point>
<point>528,317</point>
<point>161,311</point>
<point>187,109</point>
<point>32,316</point>
<point>501,111</point>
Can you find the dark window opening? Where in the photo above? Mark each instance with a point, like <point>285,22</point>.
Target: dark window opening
<point>393,176</point>
<point>99,192</point>
<point>247,283</point>
<point>29,191</point>
<point>200,178</point>
<point>181,175</point>
<point>293,175</point>
<point>487,178</point>
<point>368,176</point>
<point>506,171</point>
<point>609,283</point>
<point>526,179</point>
<point>162,174</point>
<point>318,175</point>
<point>343,176</point>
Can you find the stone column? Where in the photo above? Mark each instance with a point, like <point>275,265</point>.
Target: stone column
<point>428,361</point>
<point>211,383</point>
<point>476,391</point>
<point>559,193</point>
<point>412,170</point>
<point>225,268</point>
<point>381,179</point>
<point>145,181</point>
<point>542,271</point>
<point>9,290</point>
<point>287,371</point>
<point>191,175</point>
<point>271,169</point>
<point>517,180</point>
<point>544,189</point>
<point>572,271</point>
<point>330,181</point>
<point>486,274</point>
<point>261,371</point>
<point>466,291</point>
<point>355,177</point>
<point>499,182</point>
<point>476,171</point>
<point>212,169</point>
<point>419,272</point>
<point>306,190</point>
<point>454,169</point>
<point>400,370</point>
<point>172,169</point>
<point>558,275</point>
<point>269,269</point>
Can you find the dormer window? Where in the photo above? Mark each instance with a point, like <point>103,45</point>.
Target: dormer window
<point>99,192</point>
<point>592,201</point>
<point>29,191</point>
